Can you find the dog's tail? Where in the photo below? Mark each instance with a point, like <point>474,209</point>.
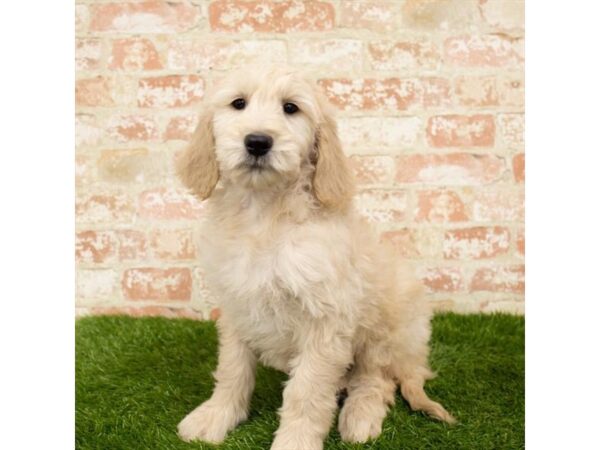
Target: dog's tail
<point>411,383</point>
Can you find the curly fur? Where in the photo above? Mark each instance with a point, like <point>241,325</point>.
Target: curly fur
<point>304,285</point>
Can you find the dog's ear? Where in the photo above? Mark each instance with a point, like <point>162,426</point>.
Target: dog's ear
<point>333,182</point>
<point>197,167</point>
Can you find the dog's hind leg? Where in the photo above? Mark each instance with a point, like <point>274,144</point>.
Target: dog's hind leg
<point>370,393</point>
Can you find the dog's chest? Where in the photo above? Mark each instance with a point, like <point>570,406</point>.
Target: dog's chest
<point>278,265</point>
<point>270,332</point>
<point>264,309</point>
<point>269,286</point>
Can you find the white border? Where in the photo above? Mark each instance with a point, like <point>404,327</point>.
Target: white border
<point>563,229</point>
<point>563,225</point>
<point>36,236</point>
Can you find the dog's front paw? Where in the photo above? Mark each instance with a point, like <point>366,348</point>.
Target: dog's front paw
<point>209,423</point>
<point>296,441</point>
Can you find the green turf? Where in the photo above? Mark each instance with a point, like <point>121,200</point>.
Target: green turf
<point>137,378</point>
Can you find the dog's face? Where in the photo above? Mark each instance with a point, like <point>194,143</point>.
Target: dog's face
<point>264,127</point>
<point>259,130</point>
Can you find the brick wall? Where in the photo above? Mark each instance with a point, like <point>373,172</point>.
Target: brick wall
<point>430,96</point>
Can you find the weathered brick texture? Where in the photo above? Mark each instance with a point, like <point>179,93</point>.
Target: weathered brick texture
<point>430,100</point>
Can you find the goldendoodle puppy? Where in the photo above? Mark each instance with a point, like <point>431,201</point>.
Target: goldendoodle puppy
<point>304,285</point>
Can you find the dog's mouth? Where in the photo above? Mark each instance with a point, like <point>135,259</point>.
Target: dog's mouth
<point>256,164</point>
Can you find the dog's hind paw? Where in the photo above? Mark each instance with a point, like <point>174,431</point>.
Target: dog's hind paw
<point>356,424</point>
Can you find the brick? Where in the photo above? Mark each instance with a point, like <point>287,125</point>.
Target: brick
<point>84,170</point>
<point>403,55</point>
<point>88,132</point>
<point>203,297</point>
<point>382,206</point>
<point>134,54</point>
<point>88,54</point>
<point>489,91</point>
<point>520,241</point>
<point>270,16</point>
<point>170,91</point>
<point>511,90</point>
<point>143,17</point>
<point>126,165</point>
<point>512,130</point>
<point>518,165</point>
<point>440,206</point>
<point>499,279</point>
<point>476,242</point>
<point>181,127</point>
<point>169,204</point>
<point>200,55</point>
<point>95,246</point>
<point>391,94</point>
<point>492,50</point>
<point>499,205</point>
<point>126,128</point>
<point>403,241</point>
<point>103,208</point>
<point>431,15</point>
<point>93,92</point>
<point>454,169</point>
<point>132,245</point>
<point>414,242</point>
<point>215,313</point>
<point>443,279</point>
<point>436,92</point>
<point>379,132</point>
<point>380,16</point>
<point>387,94</point>
<point>157,284</point>
<point>82,18</point>
<point>503,14</point>
<point>96,284</point>
<point>172,244</point>
<point>123,90</point>
<point>147,311</point>
<point>455,130</point>
<point>341,54</point>
<point>372,169</point>
<point>476,91</point>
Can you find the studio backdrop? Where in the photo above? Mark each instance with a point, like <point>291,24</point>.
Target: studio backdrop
<point>430,100</point>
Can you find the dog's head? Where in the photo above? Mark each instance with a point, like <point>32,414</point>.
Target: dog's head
<point>259,130</point>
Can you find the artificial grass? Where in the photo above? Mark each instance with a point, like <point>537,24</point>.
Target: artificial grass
<point>137,378</point>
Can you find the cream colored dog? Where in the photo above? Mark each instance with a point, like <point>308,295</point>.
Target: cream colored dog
<point>304,285</point>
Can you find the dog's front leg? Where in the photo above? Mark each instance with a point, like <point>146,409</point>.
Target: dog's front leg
<point>309,398</point>
<point>230,400</point>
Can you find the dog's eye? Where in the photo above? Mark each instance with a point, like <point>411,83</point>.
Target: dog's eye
<point>290,108</point>
<point>239,103</point>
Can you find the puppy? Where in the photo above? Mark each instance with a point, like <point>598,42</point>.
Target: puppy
<point>304,285</point>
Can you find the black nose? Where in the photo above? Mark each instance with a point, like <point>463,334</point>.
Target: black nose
<point>258,144</point>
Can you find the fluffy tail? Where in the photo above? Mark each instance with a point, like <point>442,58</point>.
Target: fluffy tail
<point>411,387</point>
